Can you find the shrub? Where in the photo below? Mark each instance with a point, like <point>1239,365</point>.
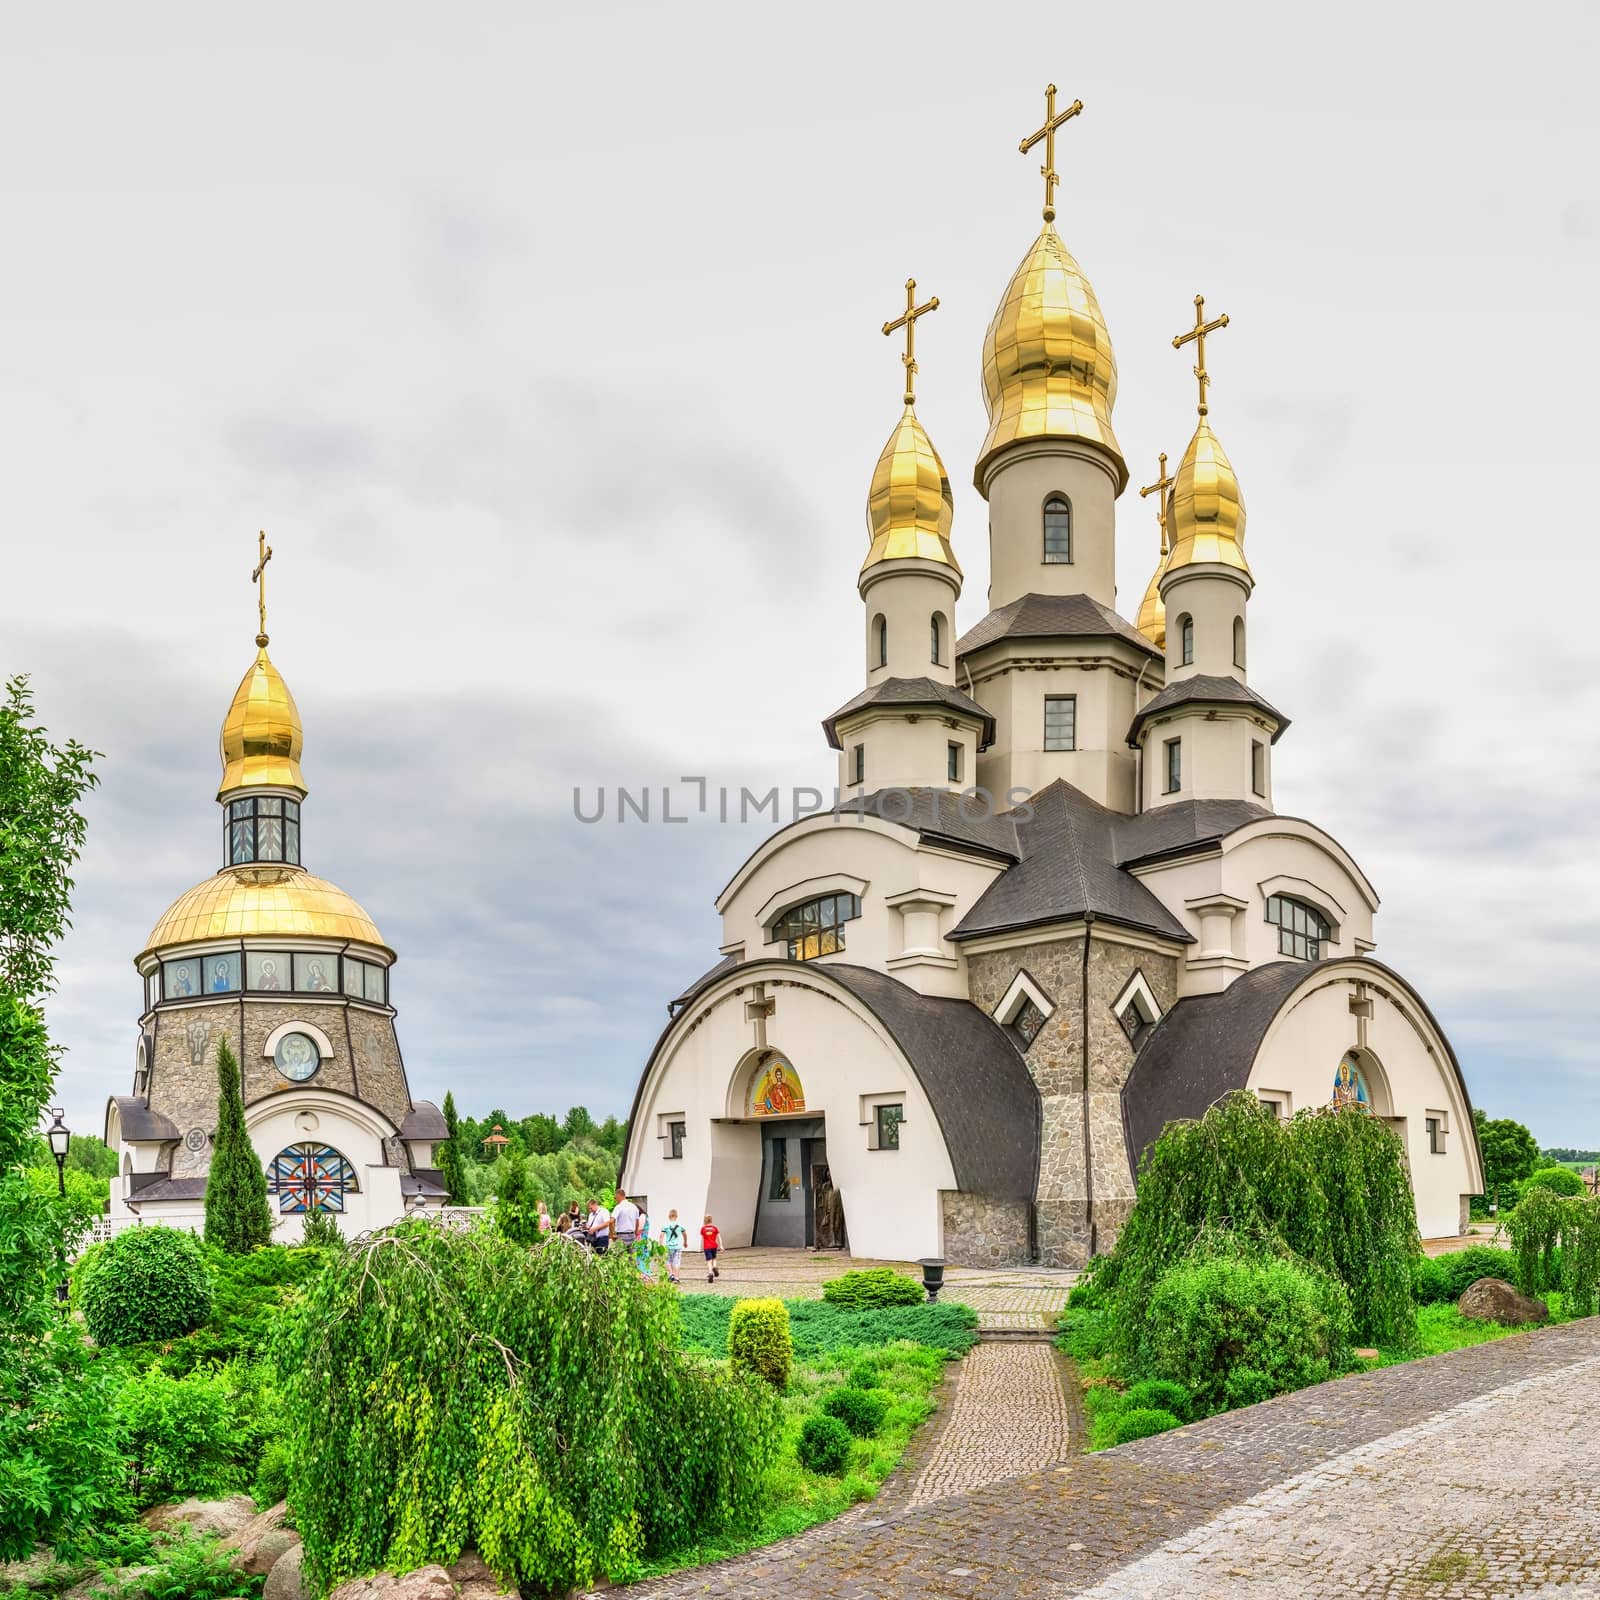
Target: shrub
<point>147,1283</point>
<point>1447,1277</point>
<point>1141,1422</point>
<point>1234,1330</point>
<point>320,1231</point>
<point>237,1215</point>
<point>860,1410</point>
<point>179,1565</point>
<point>1535,1229</point>
<point>824,1445</point>
<point>199,1435</point>
<point>1558,1180</point>
<point>1161,1395</point>
<point>1427,1281</point>
<point>874,1289</point>
<point>758,1340</point>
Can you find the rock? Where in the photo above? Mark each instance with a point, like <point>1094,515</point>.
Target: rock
<point>97,1585</point>
<point>20,1574</point>
<point>1366,1354</point>
<point>226,1517</point>
<point>285,1582</point>
<point>426,1583</point>
<point>1495,1300</point>
<point>474,1580</point>
<point>262,1540</point>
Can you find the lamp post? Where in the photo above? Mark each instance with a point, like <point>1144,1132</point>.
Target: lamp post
<point>60,1137</point>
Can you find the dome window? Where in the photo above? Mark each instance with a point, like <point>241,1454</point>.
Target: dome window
<point>815,928</point>
<point>1302,929</point>
<point>263,828</point>
<point>1057,531</point>
<point>1238,642</point>
<point>1186,642</point>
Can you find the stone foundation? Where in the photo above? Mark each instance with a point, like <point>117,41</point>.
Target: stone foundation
<point>979,1231</point>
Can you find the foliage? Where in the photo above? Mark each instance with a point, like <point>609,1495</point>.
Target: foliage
<point>1558,1180</point>
<point>1580,1255</point>
<point>1557,1245</point>
<point>85,1200</point>
<point>818,1329</point>
<point>873,1290</point>
<point>516,1213</point>
<point>579,1125</point>
<point>179,1565</point>
<point>861,1410</point>
<point>1561,1156</point>
<point>1329,1187</point>
<point>824,1445</point>
<point>237,1215</point>
<point>1509,1154</point>
<point>1162,1395</point>
<point>1234,1330</point>
<point>319,1230</point>
<point>759,1341</point>
<point>1535,1229</point>
<point>445,1386</point>
<point>1141,1422</point>
<point>146,1283</point>
<point>1448,1277</point>
<point>448,1154</point>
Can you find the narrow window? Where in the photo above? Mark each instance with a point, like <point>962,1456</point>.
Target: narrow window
<point>675,1132</point>
<point>1258,767</point>
<point>952,762</point>
<point>889,1119</point>
<point>1238,641</point>
<point>1186,642</point>
<point>858,764</point>
<point>1057,530</point>
<point>880,640</point>
<point>1174,765</point>
<point>936,641</point>
<point>1061,722</point>
<point>1435,1142</point>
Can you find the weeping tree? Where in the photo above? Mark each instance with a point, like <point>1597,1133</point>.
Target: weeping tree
<point>238,1218</point>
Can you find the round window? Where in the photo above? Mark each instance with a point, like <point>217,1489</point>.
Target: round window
<point>297,1056</point>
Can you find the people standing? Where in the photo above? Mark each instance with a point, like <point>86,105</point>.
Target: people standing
<point>711,1243</point>
<point>598,1227</point>
<point>641,1248</point>
<point>674,1236</point>
<point>624,1220</point>
<point>543,1219</point>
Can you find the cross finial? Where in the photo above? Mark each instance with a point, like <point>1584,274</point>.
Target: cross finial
<point>1159,490</point>
<point>1198,334</point>
<point>908,320</point>
<point>1048,133</point>
<point>259,578</point>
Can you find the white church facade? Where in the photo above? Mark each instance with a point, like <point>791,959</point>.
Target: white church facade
<point>1055,908</point>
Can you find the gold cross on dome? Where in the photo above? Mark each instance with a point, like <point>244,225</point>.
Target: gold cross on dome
<point>259,578</point>
<point>1048,134</point>
<point>1159,490</point>
<point>908,320</point>
<point>1198,334</point>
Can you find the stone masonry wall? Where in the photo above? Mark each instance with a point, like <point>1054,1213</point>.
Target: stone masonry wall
<point>183,1078</point>
<point>984,1232</point>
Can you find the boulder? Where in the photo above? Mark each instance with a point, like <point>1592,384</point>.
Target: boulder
<point>226,1517</point>
<point>1495,1300</point>
<point>285,1582</point>
<point>262,1540</point>
<point>92,1588</point>
<point>474,1580</point>
<point>426,1583</point>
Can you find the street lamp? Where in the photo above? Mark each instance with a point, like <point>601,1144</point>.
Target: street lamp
<point>60,1137</point>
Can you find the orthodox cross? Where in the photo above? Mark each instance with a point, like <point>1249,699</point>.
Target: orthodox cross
<point>1198,333</point>
<point>1048,133</point>
<point>908,320</point>
<point>1159,490</point>
<point>259,578</point>
<point>757,1011</point>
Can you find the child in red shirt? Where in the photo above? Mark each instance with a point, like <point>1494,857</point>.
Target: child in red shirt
<point>711,1242</point>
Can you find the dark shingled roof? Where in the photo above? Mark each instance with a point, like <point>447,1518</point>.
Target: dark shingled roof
<point>1172,829</point>
<point>679,1001</point>
<point>1045,616</point>
<point>939,814</point>
<point>1068,868</point>
<point>964,1061</point>
<point>424,1121</point>
<point>1205,689</point>
<point>145,1186</point>
<point>913,692</point>
<point>139,1123</point>
<point>425,1180</point>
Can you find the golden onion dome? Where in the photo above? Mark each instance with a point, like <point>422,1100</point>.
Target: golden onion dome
<point>1206,522</point>
<point>1152,620</point>
<point>1048,367</point>
<point>263,901</point>
<point>261,735</point>
<point>909,506</point>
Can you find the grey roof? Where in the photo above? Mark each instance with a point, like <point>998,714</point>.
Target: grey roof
<point>679,1001</point>
<point>139,1124</point>
<point>1068,869</point>
<point>424,1121</point>
<point>144,1186</point>
<point>1207,689</point>
<point>913,692</point>
<point>424,1180</point>
<point>1183,825</point>
<point>1047,616</point>
<point>939,814</point>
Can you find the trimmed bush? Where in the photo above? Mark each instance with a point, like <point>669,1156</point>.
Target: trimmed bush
<point>1160,1395</point>
<point>146,1283</point>
<point>874,1289</point>
<point>860,1410</point>
<point>818,1329</point>
<point>758,1340</point>
<point>824,1445</point>
<point>1234,1330</point>
<point>1142,1422</point>
<point>1558,1180</point>
<point>1447,1277</point>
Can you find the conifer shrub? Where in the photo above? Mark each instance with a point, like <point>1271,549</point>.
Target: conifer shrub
<point>320,1231</point>
<point>758,1340</point>
<point>873,1289</point>
<point>824,1445</point>
<point>146,1283</point>
<point>237,1215</point>
<point>861,1410</point>
<point>1142,1422</point>
<point>516,1210</point>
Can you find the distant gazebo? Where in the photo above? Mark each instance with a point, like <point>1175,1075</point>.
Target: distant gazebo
<point>494,1142</point>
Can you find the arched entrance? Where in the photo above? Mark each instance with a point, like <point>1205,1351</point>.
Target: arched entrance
<point>797,1204</point>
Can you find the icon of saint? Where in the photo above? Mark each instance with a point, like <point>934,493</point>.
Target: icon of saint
<point>316,978</point>
<point>779,1098</point>
<point>269,976</point>
<point>220,980</point>
<point>183,984</point>
<point>1348,1089</point>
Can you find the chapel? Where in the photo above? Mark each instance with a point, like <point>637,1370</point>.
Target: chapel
<point>295,976</point>
<point>1054,908</point>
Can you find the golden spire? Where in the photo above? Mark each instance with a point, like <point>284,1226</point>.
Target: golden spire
<point>261,734</point>
<point>1206,524</point>
<point>909,505</point>
<point>259,578</point>
<point>1152,618</point>
<point>1198,335</point>
<point>1048,134</point>
<point>908,320</point>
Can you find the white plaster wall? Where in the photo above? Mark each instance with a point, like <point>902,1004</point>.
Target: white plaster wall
<point>904,750</point>
<point>839,1052</point>
<point>1213,596</point>
<point>354,1130</point>
<point>907,594</point>
<point>1018,486</point>
<point>1413,1078</point>
<point>1216,756</point>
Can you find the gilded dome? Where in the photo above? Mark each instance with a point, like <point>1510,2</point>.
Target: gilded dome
<point>1048,368</point>
<point>263,901</point>
<point>1206,522</point>
<point>261,734</point>
<point>909,506</point>
<point>1152,619</point>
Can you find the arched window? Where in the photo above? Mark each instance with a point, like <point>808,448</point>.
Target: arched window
<point>1057,529</point>
<point>311,1177</point>
<point>1238,641</point>
<point>815,928</point>
<point>1186,641</point>
<point>936,639</point>
<point>1302,929</point>
<point>880,641</point>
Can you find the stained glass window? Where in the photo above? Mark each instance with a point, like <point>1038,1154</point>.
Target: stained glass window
<point>315,974</point>
<point>1028,1021</point>
<point>222,973</point>
<point>311,1177</point>
<point>180,979</point>
<point>889,1120</point>
<point>354,978</point>
<point>263,828</point>
<point>1057,530</point>
<point>375,976</point>
<point>817,927</point>
<point>1302,930</point>
<point>267,970</point>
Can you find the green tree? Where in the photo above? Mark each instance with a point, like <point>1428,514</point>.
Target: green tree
<point>542,1134</point>
<point>1509,1153</point>
<point>448,1154</point>
<point>237,1216</point>
<point>579,1124</point>
<point>515,1210</point>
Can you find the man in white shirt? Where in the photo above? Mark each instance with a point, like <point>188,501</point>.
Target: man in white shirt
<point>624,1220</point>
<point>598,1226</point>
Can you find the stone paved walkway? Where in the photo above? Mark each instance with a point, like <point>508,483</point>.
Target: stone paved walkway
<point>1468,1476</point>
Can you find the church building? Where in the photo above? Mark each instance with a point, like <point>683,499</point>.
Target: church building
<point>1055,908</point>
<point>294,975</point>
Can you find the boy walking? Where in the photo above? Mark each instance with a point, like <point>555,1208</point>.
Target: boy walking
<point>674,1237</point>
<point>711,1243</point>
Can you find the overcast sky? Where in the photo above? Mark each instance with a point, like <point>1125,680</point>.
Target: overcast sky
<point>545,349</point>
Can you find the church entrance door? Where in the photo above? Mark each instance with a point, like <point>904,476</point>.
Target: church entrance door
<point>785,1204</point>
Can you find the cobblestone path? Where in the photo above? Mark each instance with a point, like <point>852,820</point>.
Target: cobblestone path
<point>1467,1476</point>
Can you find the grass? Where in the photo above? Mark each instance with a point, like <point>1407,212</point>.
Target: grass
<point>1442,1327</point>
<point>819,1329</point>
